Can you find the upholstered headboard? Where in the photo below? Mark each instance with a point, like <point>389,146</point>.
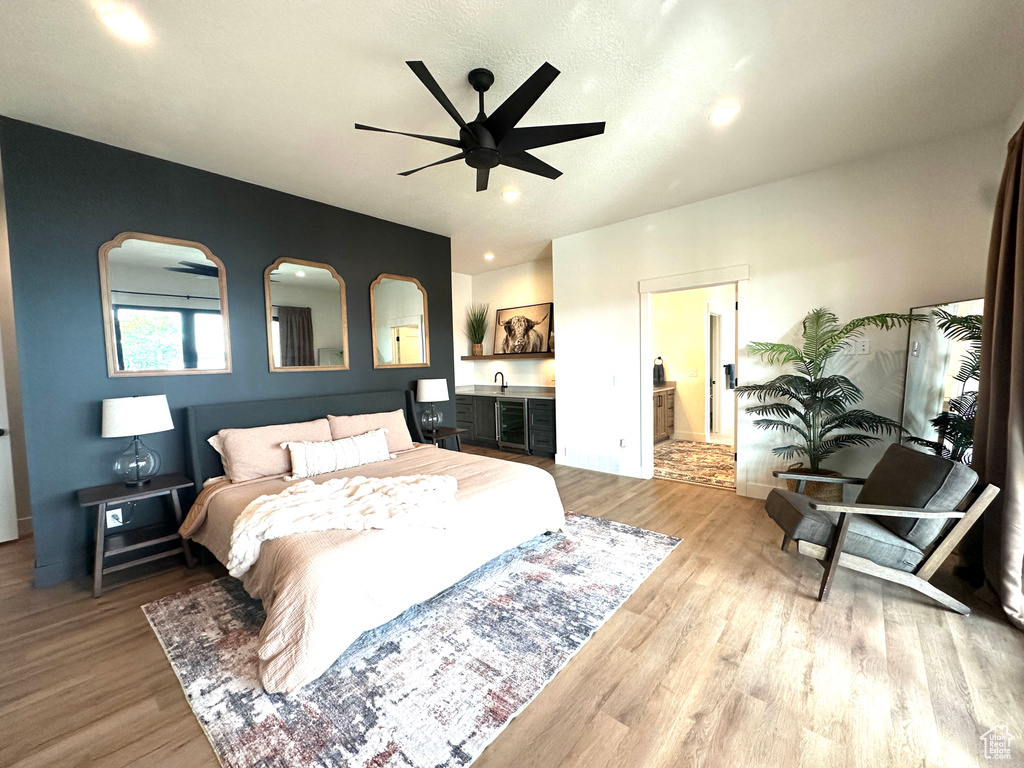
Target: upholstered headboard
<point>204,421</point>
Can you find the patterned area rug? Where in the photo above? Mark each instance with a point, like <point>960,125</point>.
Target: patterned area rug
<point>434,686</point>
<point>700,463</point>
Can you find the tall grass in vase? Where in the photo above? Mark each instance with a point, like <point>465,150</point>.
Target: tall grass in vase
<point>476,326</point>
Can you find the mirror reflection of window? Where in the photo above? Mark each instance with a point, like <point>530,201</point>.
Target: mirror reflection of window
<point>400,335</point>
<point>165,305</point>
<point>307,320</point>
<point>933,362</point>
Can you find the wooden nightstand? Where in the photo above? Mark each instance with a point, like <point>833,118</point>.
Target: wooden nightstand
<point>439,436</point>
<point>118,493</point>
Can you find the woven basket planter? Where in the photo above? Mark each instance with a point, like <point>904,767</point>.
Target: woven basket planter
<point>828,492</point>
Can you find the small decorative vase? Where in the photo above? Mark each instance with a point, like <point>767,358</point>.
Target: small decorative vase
<point>478,350</point>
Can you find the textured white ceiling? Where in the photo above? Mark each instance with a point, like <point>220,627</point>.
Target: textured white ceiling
<point>267,91</point>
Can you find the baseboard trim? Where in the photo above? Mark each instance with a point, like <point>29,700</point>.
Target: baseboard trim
<point>757,490</point>
<point>24,526</point>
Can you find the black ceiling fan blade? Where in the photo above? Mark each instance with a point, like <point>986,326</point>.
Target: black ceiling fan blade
<point>431,165</point>
<point>482,175</point>
<point>524,161</point>
<point>520,139</point>
<point>505,117</point>
<point>190,268</point>
<point>436,139</point>
<point>421,71</point>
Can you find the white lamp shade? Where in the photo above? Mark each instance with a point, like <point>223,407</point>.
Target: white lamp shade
<point>130,416</point>
<point>431,390</point>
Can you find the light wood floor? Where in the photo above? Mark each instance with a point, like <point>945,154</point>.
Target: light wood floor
<point>722,658</point>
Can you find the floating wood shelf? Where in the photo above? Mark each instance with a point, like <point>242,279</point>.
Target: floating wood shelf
<point>523,356</point>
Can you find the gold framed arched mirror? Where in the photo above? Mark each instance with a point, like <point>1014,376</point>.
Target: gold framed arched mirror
<point>165,307</point>
<point>307,316</point>
<point>398,322</point>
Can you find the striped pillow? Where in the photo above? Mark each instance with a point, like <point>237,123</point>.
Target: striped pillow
<point>310,459</point>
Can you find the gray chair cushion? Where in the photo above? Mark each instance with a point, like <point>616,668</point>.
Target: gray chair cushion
<point>865,537</point>
<point>904,477</point>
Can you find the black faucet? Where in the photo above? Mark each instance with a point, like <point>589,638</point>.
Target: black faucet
<point>504,386</point>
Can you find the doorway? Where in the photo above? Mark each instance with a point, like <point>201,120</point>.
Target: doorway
<point>406,346</point>
<point>694,332</point>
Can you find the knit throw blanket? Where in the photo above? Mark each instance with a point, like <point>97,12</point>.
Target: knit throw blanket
<point>349,503</point>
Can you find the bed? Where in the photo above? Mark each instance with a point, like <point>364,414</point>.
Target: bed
<point>322,589</point>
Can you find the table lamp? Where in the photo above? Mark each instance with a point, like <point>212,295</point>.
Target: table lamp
<point>431,391</point>
<point>134,416</point>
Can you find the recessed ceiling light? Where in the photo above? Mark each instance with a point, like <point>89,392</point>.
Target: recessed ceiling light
<point>489,256</point>
<point>724,114</point>
<point>126,25</point>
<point>510,195</point>
<point>300,273</point>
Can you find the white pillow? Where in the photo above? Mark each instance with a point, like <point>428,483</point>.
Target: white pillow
<point>309,459</point>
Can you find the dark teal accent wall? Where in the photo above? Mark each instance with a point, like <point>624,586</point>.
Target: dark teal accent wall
<point>66,196</point>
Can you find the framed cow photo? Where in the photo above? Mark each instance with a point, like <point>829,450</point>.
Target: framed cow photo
<point>524,330</point>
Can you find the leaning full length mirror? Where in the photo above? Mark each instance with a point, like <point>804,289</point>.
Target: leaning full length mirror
<point>942,360</point>
<point>307,319</point>
<point>165,307</point>
<point>398,309</point>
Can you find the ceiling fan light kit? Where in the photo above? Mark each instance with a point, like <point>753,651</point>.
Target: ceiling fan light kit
<point>490,141</point>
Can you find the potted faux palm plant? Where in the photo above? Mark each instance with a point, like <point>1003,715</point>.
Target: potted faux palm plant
<point>476,326</point>
<point>814,405</point>
<point>955,426</point>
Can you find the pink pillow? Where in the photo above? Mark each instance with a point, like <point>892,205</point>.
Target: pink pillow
<point>257,452</point>
<point>398,435</point>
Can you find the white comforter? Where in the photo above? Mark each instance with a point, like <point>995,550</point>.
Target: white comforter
<point>342,503</point>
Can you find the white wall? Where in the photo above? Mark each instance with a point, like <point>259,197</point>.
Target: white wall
<point>886,233</point>
<point>515,286</point>
<point>462,297</point>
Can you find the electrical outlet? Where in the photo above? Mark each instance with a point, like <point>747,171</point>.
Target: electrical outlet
<point>863,346</point>
<point>114,518</point>
<point>692,373</point>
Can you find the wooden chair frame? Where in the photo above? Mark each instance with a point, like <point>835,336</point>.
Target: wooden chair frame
<point>833,557</point>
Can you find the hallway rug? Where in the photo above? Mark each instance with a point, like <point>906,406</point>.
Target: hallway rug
<point>701,463</point>
<point>434,686</point>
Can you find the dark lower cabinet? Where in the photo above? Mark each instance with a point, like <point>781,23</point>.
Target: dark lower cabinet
<point>542,427</point>
<point>475,414</point>
<point>485,426</point>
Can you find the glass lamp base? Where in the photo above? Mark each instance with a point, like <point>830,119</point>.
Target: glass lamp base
<point>430,419</point>
<point>137,464</point>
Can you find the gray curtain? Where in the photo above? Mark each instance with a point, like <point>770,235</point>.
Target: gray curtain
<point>999,428</point>
<point>296,327</point>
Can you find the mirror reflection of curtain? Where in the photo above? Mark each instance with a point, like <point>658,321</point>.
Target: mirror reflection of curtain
<point>296,329</point>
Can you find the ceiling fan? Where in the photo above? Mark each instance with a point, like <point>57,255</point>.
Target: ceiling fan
<point>200,270</point>
<point>489,141</point>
